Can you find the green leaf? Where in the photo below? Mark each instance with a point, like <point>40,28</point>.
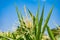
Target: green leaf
<point>14,36</point>
<point>37,20</point>
<point>40,23</point>
<point>50,33</point>
<point>22,23</point>
<point>18,14</point>
<point>46,21</point>
<point>37,15</point>
<point>5,37</point>
<point>33,18</point>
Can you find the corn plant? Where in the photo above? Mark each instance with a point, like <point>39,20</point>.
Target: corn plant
<point>35,31</point>
<point>30,29</point>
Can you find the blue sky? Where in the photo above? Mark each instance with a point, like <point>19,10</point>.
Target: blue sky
<point>8,16</point>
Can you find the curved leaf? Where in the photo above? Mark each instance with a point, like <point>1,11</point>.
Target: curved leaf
<point>50,33</point>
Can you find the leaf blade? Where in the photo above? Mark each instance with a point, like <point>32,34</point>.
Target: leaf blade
<point>46,22</point>
<point>50,33</point>
<point>40,23</point>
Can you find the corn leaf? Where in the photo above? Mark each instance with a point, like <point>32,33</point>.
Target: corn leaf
<point>6,37</point>
<point>37,16</point>
<point>33,18</point>
<point>40,23</point>
<point>50,33</point>
<point>36,21</point>
<point>18,14</point>
<point>47,19</point>
<point>22,23</point>
<point>31,15</point>
<point>46,22</point>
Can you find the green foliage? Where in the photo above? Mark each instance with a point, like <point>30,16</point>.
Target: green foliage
<point>50,33</point>
<point>30,30</point>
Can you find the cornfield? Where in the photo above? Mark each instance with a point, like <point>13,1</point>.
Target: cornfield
<point>32,29</point>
